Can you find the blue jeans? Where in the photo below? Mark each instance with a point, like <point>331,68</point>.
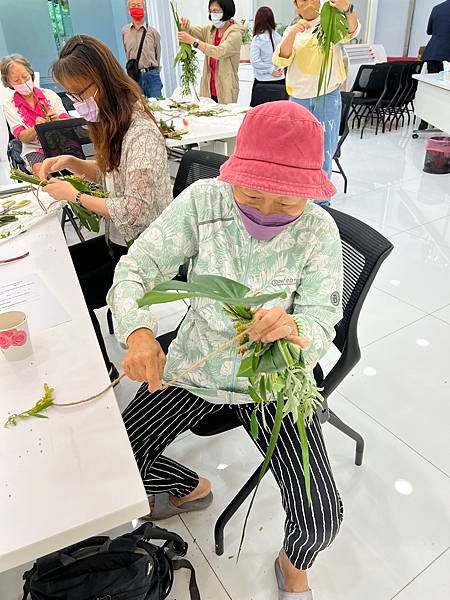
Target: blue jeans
<point>151,83</point>
<point>327,110</point>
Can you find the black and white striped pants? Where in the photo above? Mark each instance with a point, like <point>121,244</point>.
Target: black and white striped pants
<point>153,421</point>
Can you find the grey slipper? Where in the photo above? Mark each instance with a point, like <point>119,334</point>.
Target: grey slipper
<point>164,509</point>
<point>282,595</point>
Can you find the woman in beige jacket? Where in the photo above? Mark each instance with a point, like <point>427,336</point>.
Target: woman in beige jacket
<point>220,42</point>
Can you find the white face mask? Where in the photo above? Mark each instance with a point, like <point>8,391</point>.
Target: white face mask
<point>24,89</point>
<point>216,19</point>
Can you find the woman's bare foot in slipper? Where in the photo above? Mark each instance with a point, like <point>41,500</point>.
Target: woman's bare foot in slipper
<point>201,491</point>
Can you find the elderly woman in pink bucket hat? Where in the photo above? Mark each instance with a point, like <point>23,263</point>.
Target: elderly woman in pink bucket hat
<point>255,224</point>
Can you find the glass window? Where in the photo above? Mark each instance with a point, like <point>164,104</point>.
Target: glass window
<point>59,11</point>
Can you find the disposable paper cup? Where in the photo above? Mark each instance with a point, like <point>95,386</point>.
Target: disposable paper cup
<point>15,340</point>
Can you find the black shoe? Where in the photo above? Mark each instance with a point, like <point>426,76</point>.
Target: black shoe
<point>113,373</point>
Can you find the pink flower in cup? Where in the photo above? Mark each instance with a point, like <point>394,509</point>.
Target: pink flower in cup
<point>5,341</point>
<point>19,338</point>
<point>13,337</point>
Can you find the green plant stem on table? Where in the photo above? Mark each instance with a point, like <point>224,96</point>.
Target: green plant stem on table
<point>87,218</point>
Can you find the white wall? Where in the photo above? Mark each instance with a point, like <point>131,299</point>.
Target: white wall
<point>419,35</point>
<point>392,20</point>
<point>197,10</point>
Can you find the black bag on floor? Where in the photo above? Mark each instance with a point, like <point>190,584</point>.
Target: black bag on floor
<point>127,568</point>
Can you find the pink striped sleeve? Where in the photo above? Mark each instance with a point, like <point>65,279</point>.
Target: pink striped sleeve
<point>18,130</point>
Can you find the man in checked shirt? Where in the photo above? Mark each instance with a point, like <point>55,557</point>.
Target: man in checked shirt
<point>149,62</point>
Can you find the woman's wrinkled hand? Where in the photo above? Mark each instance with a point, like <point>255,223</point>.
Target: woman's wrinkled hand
<point>145,360</point>
<point>278,72</point>
<point>275,324</point>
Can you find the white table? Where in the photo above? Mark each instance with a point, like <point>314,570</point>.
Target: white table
<point>220,131</point>
<point>432,102</point>
<point>72,475</point>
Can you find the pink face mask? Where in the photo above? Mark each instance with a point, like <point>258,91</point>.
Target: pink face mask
<point>263,227</point>
<point>24,89</point>
<point>88,109</point>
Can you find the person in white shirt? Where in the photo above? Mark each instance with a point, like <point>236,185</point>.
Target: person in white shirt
<point>28,106</point>
<point>265,40</point>
<point>302,55</point>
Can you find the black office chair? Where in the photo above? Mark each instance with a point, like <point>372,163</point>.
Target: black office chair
<point>267,92</point>
<point>344,130</point>
<point>195,165</point>
<point>14,153</point>
<point>370,88</point>
<point>364,250</point>
<point>66,136</point>
<point>67,102</point>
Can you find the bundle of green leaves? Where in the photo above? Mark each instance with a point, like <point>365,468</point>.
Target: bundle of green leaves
<point>275,371</point>
<point>187,57</point>
<point>87,218</point>
<point>332,29</point>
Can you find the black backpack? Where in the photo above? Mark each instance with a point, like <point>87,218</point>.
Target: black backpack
<point>127,568</point>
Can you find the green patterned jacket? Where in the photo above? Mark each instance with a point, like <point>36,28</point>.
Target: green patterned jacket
<point>203,226</point>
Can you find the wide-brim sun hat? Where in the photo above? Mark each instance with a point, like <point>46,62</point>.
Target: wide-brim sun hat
<point>280,150</point>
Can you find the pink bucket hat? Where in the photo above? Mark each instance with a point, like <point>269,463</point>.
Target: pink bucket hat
<point>279,150</point>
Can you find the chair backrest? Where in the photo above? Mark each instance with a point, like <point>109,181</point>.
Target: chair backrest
<point>364,250</point>
<point>415,69</point>
<point>347,100</point>
<point>266,92</point>
<point>377,83</point>
<point>197,164</point>
<point>66,136</point>
<point>67,102</point>
<point>362,78</point>
<point>396,81</point>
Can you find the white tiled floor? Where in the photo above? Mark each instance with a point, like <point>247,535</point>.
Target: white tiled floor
<point>396,534</point>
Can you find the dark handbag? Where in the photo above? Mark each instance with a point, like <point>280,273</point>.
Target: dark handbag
<point>127,568</point>
<point>132,66</point>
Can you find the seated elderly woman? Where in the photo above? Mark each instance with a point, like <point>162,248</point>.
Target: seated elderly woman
<point>255,224</point>
<point>28,106</point>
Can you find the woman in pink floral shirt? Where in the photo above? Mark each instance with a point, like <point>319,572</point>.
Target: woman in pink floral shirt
<point>27,107</point>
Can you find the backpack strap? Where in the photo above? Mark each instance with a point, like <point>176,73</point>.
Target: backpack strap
<point>63,557</point>
<point>174,546</point>
<point>141,45</point>
<point>183,563</point>
<point>27,576</point>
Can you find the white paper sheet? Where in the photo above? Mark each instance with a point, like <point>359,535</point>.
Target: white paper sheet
<point>31,295</point>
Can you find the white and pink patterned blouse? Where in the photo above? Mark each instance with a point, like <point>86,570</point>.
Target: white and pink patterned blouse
<point>21,115</point>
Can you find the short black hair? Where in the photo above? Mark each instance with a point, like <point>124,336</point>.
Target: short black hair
<point>228,7</point>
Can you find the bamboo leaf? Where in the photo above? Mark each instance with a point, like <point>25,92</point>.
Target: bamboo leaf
<point>254,426</point>
<point>271,449</point>
<point>305,455</point>
<point>255,396</point>
<point>246,368</point>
